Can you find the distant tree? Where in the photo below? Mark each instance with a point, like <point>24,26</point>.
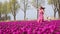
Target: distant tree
<point>25,7</point>
<point>14,6</point>
<point>56,4</point>
<point>4,9</point>
<point>37,4</point>
<point>0,9</point>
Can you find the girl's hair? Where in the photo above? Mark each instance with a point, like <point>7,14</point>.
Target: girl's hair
<point>42,8</point>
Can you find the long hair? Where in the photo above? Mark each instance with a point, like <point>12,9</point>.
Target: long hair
<point>42,8</point>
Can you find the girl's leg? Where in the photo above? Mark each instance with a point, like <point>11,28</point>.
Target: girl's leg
<point>38,20</point>
<point>41,20</point>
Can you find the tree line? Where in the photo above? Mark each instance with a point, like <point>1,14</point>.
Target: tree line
<point>56,6</point>
<point>12,6</point>
<point>9,7</point>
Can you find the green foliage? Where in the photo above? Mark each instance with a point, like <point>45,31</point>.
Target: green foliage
<point>37,3</point>
<point>5,8</point>
<point>56,4</point>
<point>8,7</point>
<point>14,7</point>
<point>0,7</point>
<point>50,2</point>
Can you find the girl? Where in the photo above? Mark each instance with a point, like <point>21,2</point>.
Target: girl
<point>41,15</point>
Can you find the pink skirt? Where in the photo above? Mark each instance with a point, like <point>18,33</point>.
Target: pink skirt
<point>40,18</point>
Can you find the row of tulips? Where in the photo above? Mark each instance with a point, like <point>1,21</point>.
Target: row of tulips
<point>29,27</point>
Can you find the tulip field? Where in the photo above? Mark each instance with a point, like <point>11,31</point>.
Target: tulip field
<point>30,27</point>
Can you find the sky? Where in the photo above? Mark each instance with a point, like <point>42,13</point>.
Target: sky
<point>32,12</point>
